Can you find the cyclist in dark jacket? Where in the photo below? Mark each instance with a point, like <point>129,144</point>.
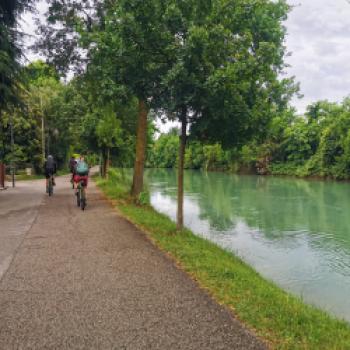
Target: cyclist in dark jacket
<point>72,164</point>
<point>50,168</point>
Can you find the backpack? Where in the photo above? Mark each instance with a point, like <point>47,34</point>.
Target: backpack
<point>50,164</point>
<point>82,168</point>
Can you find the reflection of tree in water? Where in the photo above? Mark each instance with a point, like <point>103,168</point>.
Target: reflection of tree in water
<point>214,203</point>
<point>279,207</point>
<point>162,178</point>
<point>211,198</point>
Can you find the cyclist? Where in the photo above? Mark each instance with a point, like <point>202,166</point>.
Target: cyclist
<point>50,168</point>
<point>72,164</point>
<point>81,173</point>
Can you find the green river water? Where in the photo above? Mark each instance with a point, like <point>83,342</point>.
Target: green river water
<point>294,232</point>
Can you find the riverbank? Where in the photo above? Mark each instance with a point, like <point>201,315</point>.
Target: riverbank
<point>292,170</point>
<point>275,170</point>
<point>283,320</point>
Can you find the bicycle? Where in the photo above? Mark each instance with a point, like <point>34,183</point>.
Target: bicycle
<point>49,188</point>
<point>81,195</point>
<point>72,181</point>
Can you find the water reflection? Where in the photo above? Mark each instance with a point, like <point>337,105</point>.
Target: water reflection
<point>295,232</point>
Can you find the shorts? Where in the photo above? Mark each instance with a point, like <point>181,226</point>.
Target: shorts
<point>77,178</point>
<point>49,173</point>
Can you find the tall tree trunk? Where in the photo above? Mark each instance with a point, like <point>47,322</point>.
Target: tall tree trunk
<point>2,155</point>
<point>180,171</point>
<point>141,140</point>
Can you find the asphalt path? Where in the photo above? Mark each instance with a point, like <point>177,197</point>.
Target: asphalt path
<point>19,207</point>
<point>91,280</point>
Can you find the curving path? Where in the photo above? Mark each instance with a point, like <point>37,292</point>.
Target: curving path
<point>91,280</point>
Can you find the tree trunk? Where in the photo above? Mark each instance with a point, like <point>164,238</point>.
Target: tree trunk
<point>141,140</point>
<point>2,154</point>
<point>42,131</point>
<point>2,175</point>
<point>180,171</point>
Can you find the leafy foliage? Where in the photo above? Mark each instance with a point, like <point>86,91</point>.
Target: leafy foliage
<point>73,121</point>
<point>10,51</point>
<point>164,154</point>
<point>316,144</point>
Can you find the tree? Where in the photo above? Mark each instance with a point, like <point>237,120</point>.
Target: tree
<point>246,90</point>
<point>109,133</point>
<point>27,147</point>
<point>136,49</point>
<point>43,86</point>
<point>163,154</point>
<point>10,52</point>
<point>225,78</point>
<point>127,47</point>
<point>38,90</point>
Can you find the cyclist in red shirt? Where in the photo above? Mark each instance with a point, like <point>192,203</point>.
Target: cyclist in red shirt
<point>81,173</point>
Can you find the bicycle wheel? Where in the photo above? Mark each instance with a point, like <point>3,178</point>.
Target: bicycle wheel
<point>83,199</point>
<point>78,197</point>
<point>50,186</point>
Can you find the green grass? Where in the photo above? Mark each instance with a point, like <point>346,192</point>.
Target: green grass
<point>22,176</point>
<point>281,319</point>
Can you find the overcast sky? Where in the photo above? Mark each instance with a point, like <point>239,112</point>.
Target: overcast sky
<point>319,40</point>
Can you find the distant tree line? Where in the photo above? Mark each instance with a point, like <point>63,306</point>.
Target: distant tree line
<point>62,119</point>
<point>314,144</point>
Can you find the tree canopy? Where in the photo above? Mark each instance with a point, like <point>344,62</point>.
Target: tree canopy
<point>10,50</point>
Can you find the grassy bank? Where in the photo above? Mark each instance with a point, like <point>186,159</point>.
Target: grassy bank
<point>281,319</point>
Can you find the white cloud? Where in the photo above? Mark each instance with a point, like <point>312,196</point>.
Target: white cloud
<point>319,39</point>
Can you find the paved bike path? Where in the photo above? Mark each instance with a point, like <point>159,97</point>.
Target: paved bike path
<point>91,280</point>
<point>19,207</point>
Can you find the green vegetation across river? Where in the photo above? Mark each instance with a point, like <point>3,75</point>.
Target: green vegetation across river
<point>283,320</point>
<point>316,144</point>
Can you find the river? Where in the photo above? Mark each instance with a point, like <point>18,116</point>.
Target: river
<point>294,232</point>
